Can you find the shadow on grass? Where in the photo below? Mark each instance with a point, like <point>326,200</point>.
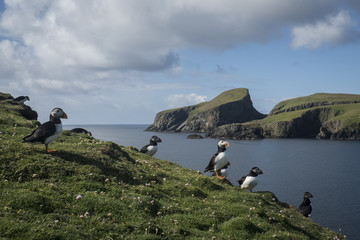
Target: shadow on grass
<point>106,169</point>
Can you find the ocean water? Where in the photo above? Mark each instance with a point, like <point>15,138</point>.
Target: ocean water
<point>327,169</point>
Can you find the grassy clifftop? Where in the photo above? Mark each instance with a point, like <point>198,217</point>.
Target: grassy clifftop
<point>232,95</point>
<point>90,189</point>
<point>314,100</point>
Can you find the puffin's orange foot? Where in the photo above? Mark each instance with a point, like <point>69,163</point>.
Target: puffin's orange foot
<point>219,176</point>
<point>51,150</point>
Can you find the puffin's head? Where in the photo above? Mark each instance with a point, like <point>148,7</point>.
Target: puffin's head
<point>308,195</point>
<point>155,139</point>
<point>256,170</point>
<point>58,113</point>
<point>222,143</point>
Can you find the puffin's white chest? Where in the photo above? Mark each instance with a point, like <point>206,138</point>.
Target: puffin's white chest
<point>220,161</point>
<point>151,150</point>
<point>56,135</point>
<point>249,183</point>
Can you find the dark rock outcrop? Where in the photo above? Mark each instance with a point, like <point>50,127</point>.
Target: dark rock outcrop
<point>23,109</point>
<point>234,106</point>
<point>28,113</point>
<point>194,136</point>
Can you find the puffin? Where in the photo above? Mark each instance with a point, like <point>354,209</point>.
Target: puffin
<point>48,131</point>
<point>151,149</point>
<point>250,181</point>
<point>81,130</point>
<point>218,160</point>
<point>22,99</point>
<point>305,207</point>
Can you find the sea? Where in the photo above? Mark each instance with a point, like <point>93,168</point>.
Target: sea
<point>329,169</point>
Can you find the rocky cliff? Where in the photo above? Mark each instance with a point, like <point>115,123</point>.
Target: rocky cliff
<point>322,116</point>
<point>233,106</point>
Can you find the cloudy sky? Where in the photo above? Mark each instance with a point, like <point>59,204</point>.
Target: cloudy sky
<point>114,62</point>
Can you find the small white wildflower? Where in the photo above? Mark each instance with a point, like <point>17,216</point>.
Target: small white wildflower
<point>78,197</point>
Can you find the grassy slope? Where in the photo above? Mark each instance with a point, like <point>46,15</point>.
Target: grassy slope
<point>125,195</point>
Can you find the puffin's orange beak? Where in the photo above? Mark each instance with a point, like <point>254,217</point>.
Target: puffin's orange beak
<point>228,144</point>
<point>64,116</point>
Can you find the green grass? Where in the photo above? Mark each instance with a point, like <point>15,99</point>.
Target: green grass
<point>125,195</point>
<point>318,98</point>
<point>348,114</point>
<point>232,95</point>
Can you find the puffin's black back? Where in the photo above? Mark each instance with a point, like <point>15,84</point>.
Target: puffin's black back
<point>210,166</point>
<point>305,207</point>
<point>144,148</point>
<point>41,133</point>
<point>241,180</point>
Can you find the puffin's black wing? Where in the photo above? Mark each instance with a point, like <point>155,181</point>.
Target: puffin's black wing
<point>305,209</point>
<point>144,148</point>
<point>41,133</point>
<point>241,180</point>
<point>210,166</point>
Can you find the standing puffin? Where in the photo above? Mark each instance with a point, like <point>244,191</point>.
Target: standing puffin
<point>151,149</point>
<point>218,160</point>
<point>81,130</point>
<point>305,207</point>
<point>22,99</point>
<point>48,131</point>
<point>250,181</point>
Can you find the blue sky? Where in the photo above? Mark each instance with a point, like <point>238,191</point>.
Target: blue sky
<point>116,62</point>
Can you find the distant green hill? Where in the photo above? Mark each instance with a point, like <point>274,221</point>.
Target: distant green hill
<point>233,106</point>
<point>91,189</point>
<point>321,115</point>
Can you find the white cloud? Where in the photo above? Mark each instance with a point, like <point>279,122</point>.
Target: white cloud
<point>128,53</point>
<point>179,100</point>
<point>145,35</point>
<point>337,29</point>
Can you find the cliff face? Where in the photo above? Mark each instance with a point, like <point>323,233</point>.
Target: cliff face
<point>234,106</point>
<point>296,118</point>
